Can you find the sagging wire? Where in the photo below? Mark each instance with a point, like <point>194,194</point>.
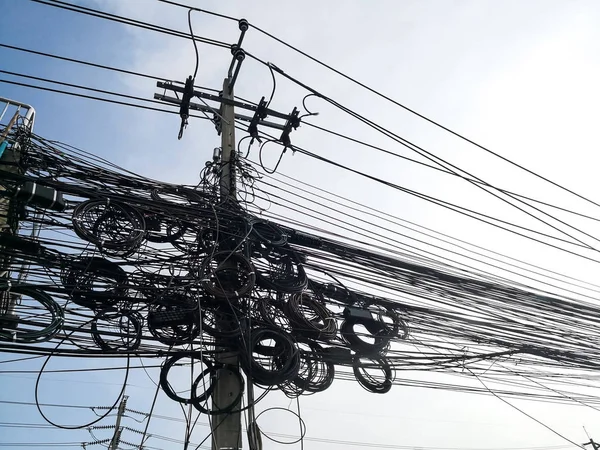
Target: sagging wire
<point>75,427</point>
<point>274,170</point>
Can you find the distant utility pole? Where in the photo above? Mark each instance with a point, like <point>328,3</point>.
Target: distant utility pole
<point>116,439</point>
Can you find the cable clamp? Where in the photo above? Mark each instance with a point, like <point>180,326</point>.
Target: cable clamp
<point>8,286</point>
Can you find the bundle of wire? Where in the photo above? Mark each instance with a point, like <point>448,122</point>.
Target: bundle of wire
<point>127,265</point>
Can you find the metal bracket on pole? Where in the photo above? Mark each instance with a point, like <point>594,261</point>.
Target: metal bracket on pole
<point>292,123</point>
<point>184,107</point>
<point>259,115</point>
<point>261,112</point>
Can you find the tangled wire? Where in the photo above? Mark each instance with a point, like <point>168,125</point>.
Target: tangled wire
<point>131,266</point>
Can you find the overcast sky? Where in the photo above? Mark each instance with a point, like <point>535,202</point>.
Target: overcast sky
<point>519,77</point>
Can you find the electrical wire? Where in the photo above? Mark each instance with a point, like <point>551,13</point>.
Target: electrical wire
<point>74,427</point>
<point>432,157</point>
<point>126,21</point>
<point>90,97</point>
<point>99,66</point>
<point>421,116</point>
<point>526,414</point>
<point>194,42</point>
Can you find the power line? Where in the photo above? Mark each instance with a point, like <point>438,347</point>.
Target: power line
<point>79,86</point>
<point>412,111</point>
<point>443,170</point>
<point>99,66</point>
<point>91,11</point>
<point>40,444</point>
<point>127,21</point>
<point>524,413</point>
<point>141,99</point>
<point>453,207</point>
<point>397,220</point>
<point>49,405</point>
<point>404,236</point>
<point>205,11</point>
<point>91,97</point>
<point>89,369</point>
<point>432,157</point>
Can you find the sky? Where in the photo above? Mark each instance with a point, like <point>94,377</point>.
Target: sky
<point>517,77</point>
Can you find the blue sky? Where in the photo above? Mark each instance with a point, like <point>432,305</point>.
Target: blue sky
<point>518,77</point>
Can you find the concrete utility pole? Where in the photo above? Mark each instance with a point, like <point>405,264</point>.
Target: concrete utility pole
<point>227,144</point>
<point>227,428</point>
<point>116,439</point>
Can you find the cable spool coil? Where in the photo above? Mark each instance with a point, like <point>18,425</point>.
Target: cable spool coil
<point>310,317</point>
<point>94,282</point>
<point>115,228</point>
<point>273,364</point>
<point>367,381</point>
<point>9,330</point>
<point>130,331</point>
<point>227,275</point>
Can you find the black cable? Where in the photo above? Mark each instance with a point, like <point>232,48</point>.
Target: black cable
<point>194,42</point>
<point>271,172</point>
<point>125,20</point>
<point>78,86</point>
<point>524,413</point>
<point>99,66</point>
<point>445,171</point>
<point>399,221</point>
<point>116,102</point>
<point>274,87</point>
<point>77,427</point>
<point>412,111</point>
<point>212,13</point>
<point>368,382</point>
<point>278,408</point>
<point>430,156</point>
<point>94,369</point>
<point>20,359</point>
<point>464,211</point>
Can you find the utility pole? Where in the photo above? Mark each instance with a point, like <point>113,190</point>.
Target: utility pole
<point>227,143</point>
<point>116,439</point>
<point>227,428</point>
